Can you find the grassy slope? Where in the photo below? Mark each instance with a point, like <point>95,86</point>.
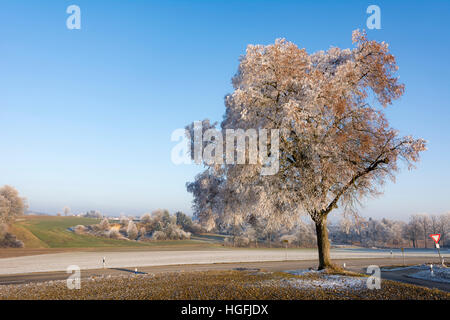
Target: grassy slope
<point>28,238</point>
<point>51,232</point>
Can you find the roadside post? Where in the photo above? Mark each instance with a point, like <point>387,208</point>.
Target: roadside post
<point>286,245</point>
<point>403,255</point>
<point>436,237</point>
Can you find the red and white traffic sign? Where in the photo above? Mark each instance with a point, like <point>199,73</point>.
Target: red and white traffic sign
<point>436,237</point>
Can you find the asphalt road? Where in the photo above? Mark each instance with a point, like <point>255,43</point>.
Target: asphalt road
<point>358,265</point>
<point>132,259</point>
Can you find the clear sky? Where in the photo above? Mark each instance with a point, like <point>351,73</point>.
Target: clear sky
<point>86,115</point>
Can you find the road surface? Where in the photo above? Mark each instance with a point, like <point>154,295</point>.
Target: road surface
<point>132,259</point>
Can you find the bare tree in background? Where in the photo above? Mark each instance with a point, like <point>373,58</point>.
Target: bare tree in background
<point>66,211</point>
<point>440,224</point>
<point>444,228</point>
<point>424,221</point>
<point>415,228</point>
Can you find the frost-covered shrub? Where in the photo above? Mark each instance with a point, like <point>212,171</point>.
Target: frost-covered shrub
<point>115,234</point>
<point>132,231</point>
<point>174,232</point>
<point>124,221</point>
<point>142,232</point>
<point>104,225</point>
<point>80,229</point>
<point>159,235</point>
<point>163,226</point>
<point>146,218</point>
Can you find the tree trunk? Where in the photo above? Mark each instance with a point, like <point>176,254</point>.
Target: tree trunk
<point>323,243</point>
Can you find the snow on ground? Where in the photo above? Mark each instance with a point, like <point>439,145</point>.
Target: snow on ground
<point>440,274</point>
<point>326,281</point>
<point>301,272</point>
<point>330,281</point>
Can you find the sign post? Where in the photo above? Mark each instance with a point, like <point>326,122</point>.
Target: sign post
<point>436,237</point>
<point>286,245</point>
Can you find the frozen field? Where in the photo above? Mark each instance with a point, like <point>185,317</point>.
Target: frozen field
<point>93,260</point>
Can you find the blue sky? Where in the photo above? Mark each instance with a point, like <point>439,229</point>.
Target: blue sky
<point>86,115</point>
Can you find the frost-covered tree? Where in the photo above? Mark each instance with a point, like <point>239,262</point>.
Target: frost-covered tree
<point>11,204</point>
<point>444,228</point>
<point>123,220</point>
<point>251,234</point>
<point>184,221</point>
<point>413,230</point>
<point>132,230</point>
<point>93,214</point>
<point>104,225</point>
<point>142,232</point>
<point>208,198</point>
<point>160,225</point>
<point>424,222</point>
<point>440,224</point>
<point>146,218</point>
<point>11,207</point>
<point>66,211</point>
<point>336,146</point>
<point>305,234</point>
